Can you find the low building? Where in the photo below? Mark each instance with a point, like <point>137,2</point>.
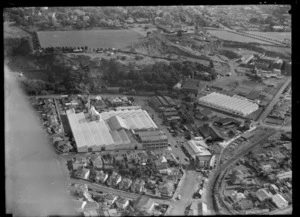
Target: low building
<point>101,176</point>
<point>114,179</point>
<point>110,199</point>
<point>246,204</point>
<point>97,162</point>
<point>144,204</point>
<point>125,183</point>
<point>166,189</point>
<point>91,213</point>
<point>199,152</point>
<point>89,206</point>
<point>82,173</point>
<point>122,203</point>
<point>154,139</point>
<point>279,201</point>
<point>138,186</point>
<point>263,194</point>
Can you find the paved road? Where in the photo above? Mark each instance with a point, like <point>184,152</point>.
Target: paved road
<point>187,190</point>
<point>222,168</point>
<point>273,102</point>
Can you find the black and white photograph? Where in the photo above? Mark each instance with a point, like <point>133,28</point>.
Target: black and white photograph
<point>179,110</point>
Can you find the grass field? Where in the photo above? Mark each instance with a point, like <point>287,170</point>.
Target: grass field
<point>91,38</point>
<point>235,37</point>
<point>273,35</point>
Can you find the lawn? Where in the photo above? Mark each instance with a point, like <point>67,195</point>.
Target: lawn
<point>225,35</point>
<point>91,38</point>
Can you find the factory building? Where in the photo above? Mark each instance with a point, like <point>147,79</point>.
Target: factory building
<point>199,152</point>
<point>235,105</point>
<point>123,129</point>
<point>155,139</point>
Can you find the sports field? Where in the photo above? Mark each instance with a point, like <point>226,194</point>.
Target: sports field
<point>225,35</point>
<point>92,38</point>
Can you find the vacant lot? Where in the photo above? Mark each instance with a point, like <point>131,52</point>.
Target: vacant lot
<point>91,38</point>
<point>234,37</point>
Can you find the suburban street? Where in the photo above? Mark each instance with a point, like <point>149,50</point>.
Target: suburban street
<point>219,169</point>
<point>189,187</point>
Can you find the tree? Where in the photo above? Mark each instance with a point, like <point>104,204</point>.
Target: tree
<point>179,33</point>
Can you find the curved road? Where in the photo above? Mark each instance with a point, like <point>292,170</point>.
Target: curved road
<point>222,168</point>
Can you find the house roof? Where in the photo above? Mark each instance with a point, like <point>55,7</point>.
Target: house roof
<point>263,194</point>
<point>193,84</point>
<point>91,206</point>
<point>121,200</point>
<point>144,202</point>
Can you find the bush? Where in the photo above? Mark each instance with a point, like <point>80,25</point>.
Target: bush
<point>123,58</point>
<point>139,58</point>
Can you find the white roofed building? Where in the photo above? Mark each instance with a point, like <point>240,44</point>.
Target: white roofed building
<point>234,105</point>
<point>114,130</point>
<point>199,152</point>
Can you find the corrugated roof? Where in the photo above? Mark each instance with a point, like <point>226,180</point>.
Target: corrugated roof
<point>235,104</point>
<point>123,136</point>
<point>116,137</point>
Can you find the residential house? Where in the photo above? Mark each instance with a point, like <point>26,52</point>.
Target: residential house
<point>91,213</point>
<point>110,199</point>
<point>101,176</point>
<point>143,156</point>
<point>132,156</point>
<point>263,194</point>
<point>97,162</point>
<point>79,163</point>
<point>144,204</point>
<point>113,212</point>
<point>166,189</point>
<point>91,206</point>
<point>125,183</point>
<point>82,173</point>
<point>279,201</point>
<point>122,203</point>
<point>138,186</point>
<point>114,179</point>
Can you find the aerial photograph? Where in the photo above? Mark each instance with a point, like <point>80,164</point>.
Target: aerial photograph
<point>148,110</point>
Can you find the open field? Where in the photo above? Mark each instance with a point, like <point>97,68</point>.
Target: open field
<point>273,35</point>
<point>91,38</point>
<point>225,35</point>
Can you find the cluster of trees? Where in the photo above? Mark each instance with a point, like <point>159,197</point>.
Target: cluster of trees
<point>82,74</point>
<point>18,46</point>
<point>229,54</point>
<point>159,76</point>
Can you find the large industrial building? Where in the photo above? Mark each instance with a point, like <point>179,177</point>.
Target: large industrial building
<point>127,129</point>
<point>232,104</point>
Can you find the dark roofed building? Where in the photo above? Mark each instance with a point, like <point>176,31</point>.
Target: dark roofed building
<point>204,131</point>
<point>192,86</point>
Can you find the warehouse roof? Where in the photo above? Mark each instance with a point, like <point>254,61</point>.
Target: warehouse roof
<point>116,122</point>
<point>231,103</point>
<point>152,135</point>
<point>94,133</point>
<point>135,119</point>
